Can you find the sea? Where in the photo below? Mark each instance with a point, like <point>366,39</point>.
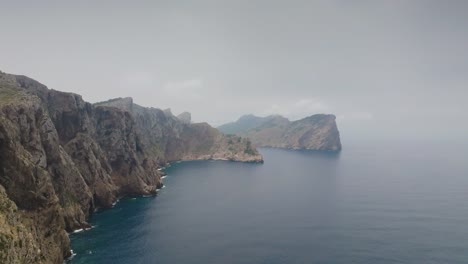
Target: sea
<point>375,202</point>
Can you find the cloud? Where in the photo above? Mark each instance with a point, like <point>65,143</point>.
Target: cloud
<point>310,105</point>
<point>356,116</point>
<point>182,87</point>
<point>138,79</point>
<point>185,89</point>
<point>297,109</point>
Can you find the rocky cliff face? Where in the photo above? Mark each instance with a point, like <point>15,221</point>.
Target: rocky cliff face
<point>316,132</point>
<point>185,117</point>
<point>171,138</point>
<point>61,158</point>
<point>27,137</point>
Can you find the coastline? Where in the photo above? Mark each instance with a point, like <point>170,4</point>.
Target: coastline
<point>162,186</point>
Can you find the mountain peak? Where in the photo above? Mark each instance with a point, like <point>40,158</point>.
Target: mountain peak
<point>316,132</point>
<point>125,103</point>
<point>185,117</point>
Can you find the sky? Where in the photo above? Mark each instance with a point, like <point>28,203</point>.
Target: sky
<point>391,69</point>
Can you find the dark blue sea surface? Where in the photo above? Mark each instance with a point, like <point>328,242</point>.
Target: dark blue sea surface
<point>395,202</point>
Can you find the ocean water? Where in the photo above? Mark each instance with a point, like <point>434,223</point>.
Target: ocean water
<point>396,202</point>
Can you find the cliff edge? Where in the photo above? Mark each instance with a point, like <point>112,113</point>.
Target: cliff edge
<point>62,158</point>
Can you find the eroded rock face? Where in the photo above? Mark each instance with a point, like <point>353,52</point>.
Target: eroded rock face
<point>17,243</point>
<point>171,138</point>
<point>185,117</point>
<point>61,158</point>
<point>26,137</point>
<point>316,132</point>
<point>93,165</point>
<point>133,170</point>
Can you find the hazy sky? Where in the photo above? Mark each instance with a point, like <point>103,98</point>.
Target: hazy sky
<point>392,68</point>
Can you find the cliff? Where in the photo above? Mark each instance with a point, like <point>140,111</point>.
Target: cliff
<point>171,138</point>
<point>316,132</point>
<point>61,158</point>
<point>185,117</point>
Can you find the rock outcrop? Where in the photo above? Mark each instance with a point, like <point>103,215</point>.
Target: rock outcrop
<point>171,138</point>
<point>62,158</point>
<point>316,132</point>
<point>185,117</point>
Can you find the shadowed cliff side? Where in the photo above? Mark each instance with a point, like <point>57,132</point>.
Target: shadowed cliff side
<point>61,158</point>
<point>27,136</point>
<point>171,138</point>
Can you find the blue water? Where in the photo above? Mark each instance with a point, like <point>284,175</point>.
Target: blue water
<point>399,202</point>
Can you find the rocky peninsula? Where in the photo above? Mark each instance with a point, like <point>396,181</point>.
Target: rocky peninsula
<point>316,132</point>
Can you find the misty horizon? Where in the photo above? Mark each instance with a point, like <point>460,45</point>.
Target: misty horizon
<point>233,131</point>
<point>385,69</point>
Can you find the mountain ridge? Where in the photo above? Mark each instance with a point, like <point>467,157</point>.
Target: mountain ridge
<point>315,132</point>
<point>62,158</point>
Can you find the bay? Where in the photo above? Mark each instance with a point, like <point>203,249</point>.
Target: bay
<point>375,202</point>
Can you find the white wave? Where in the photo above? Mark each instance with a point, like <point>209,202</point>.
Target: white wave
<point>163,177</point>
<point>114,203</point>
<point>83,229</point>
<point>73,254</point>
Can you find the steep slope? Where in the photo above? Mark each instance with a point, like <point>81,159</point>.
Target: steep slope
<point>171,138</point>
<point>185,117</point>
<point>316,132</point>
<point>61,158</point>
<point>27,135</point>
<point>244,123</point>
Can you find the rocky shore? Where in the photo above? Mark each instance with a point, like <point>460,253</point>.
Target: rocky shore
<point>62,158</point>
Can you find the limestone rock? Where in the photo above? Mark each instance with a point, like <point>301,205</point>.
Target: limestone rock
<point>168,138</point>
<point>61,158</point>
<point>185,117</point>
<point>316,132</point>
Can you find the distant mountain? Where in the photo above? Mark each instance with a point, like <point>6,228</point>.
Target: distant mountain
<point>169,137</point>
<point>244,123</point>
<point>185,117</point>
<point>316,132</point>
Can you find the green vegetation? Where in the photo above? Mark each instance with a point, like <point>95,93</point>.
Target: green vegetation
<point>69,199</point>
<point>248,148</point>
<point>203,147</point>
<point>155,150</point>
<point>9,93</point>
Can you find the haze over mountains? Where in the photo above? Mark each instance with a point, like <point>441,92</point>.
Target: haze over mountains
<point>394,73</point>
<point>62,158</point>
<point>382,77</point>
<point>316,132</point>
